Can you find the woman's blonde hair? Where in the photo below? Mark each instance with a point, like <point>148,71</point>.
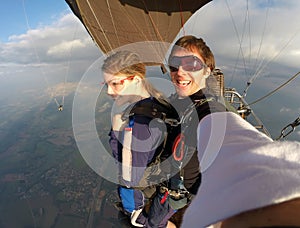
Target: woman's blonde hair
<point>129,63</point>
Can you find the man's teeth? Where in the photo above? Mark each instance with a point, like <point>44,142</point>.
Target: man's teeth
<point>183,82</point>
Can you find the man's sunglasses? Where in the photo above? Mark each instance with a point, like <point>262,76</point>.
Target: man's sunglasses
<point>188,63</point>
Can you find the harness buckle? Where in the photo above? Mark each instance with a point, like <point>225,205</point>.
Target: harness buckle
<point>172,122</point>
<point>174,194</point>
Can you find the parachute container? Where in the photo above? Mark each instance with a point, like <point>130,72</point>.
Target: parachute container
<point>115,23</point>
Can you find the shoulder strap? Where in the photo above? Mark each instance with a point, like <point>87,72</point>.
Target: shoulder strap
<point>179,149</point>
<point>126,152</point>
<point>152,109</point>
<point>185,118</point>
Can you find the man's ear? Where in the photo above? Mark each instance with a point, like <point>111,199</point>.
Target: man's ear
<point>207,72</point>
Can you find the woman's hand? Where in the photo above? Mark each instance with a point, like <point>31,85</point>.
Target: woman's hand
<point>117,123</point>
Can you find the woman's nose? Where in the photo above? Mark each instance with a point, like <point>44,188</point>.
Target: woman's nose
<point>110,91</point>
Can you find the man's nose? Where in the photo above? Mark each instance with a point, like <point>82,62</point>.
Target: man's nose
<point>181,71</point>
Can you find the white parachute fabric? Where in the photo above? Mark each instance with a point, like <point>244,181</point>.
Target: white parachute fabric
<point>249,171</point>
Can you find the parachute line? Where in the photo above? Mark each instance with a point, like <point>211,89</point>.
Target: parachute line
<point>51,89</point>
<point>254,76</point>
<point>38,57</point>
<point>153,24</point>
<point>101,28</point>
<point>239,40</point>
<point>259,70</point>
<point>181,17</point>
<point>68,69</point>
<point>249,30</point>
<point>264,64</point>
<point>261,40</point>
<point>112,20</point>
<point>275,90</point>
<point>132,21</point>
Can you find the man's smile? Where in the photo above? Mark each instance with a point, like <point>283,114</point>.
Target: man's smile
<point>183,82</point>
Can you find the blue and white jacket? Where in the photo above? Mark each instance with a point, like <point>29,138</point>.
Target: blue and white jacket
<point>142,139</point>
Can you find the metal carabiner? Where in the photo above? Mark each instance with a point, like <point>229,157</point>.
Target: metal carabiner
<point>283,134</point>
<point>296,122</point>
<point>292,126</point>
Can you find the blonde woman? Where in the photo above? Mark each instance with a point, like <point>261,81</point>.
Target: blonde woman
<point>135,142</point>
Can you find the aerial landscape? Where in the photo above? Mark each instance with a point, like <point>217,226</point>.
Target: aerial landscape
<point>44,179</point>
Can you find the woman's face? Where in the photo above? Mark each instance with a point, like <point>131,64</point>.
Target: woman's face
<point>120,87</point>
<point>188,72</point>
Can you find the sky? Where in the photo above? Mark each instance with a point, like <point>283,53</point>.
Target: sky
<point>43,46</point>
<point>39,13</point>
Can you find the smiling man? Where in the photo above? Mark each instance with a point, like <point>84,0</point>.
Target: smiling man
<point>191,63</point>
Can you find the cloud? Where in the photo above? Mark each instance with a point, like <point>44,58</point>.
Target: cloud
<point>50,44</point>
<point>65,47</point>
<point>45,62</point>
<point>260,42</point>
<point>295,52</point>
<point>260,32</point>
<point>62,89</point>
<point>285,109</point>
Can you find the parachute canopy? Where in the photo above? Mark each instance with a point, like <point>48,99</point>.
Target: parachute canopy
<point>114,23</point>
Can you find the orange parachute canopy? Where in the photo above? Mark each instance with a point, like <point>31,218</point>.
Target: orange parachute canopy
<point>114,23</point>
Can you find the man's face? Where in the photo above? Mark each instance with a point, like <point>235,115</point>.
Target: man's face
<point>188,72</point>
